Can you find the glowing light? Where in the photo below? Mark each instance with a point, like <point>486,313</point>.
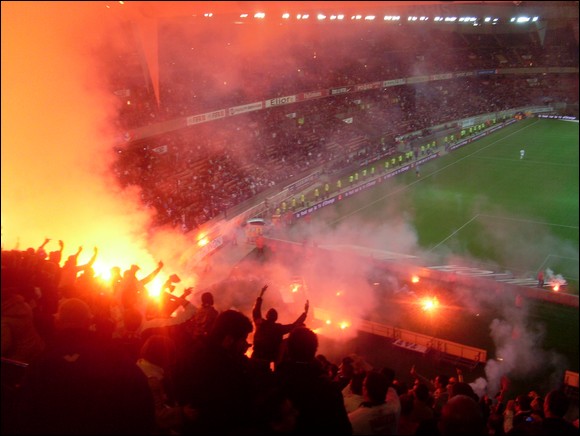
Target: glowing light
<point>321,17</point>
<point>208,14</point>
<point>102,271</point>
<point>429,304</point>
<point>243,15</point>
<point>154,288</point>
<point>338,293</point>
<point>285,15</point>
<point>203,241</point>
<point>370,17</point>
<point>328,322</point>
<point>260,15</point>
<point>556,287</point>
<point>415,279</point>
<point>343,325</point>
<point>294,287</point>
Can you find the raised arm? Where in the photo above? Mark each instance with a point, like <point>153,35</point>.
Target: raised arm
<point>287,328</point>
<point>46,241</point>
<point>58,254</point>
<point>422,378</point>
<point>77,254</point>
<point>91,261</point>
<point>257,310</point>
<point>152,275</point>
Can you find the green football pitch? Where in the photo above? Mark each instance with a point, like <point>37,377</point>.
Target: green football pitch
<point>484,205</point>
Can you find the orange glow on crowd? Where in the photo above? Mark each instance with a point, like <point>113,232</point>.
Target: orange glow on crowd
<point>58,137</point>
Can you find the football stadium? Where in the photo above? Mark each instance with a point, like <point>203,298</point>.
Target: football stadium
<point>290,217</point>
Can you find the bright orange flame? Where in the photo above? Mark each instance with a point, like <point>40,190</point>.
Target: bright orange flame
<point>203,241</point>
<point>338,293</point>
<point>415,279</point>
<point>295,287</point>
<point>328,322</point>
<point>344,325</point>
<point>102,271</point>
<point>556,287</point>
<point>429,304</point>
<point>154,287</point>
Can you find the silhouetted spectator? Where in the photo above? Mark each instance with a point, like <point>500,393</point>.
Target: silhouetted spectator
<point>315,396</point>
<point>201,323</point>
<point>269,333</point>
<point>157,362</point>
<point>20,339</point>
<point>461,415</point>
<point>217,380</point>
<point>70,270</point>
<point>375,415</point>
<point>556,405</point>
<point>83,385</point>
<point>132,289</point>
<point>353,393</point>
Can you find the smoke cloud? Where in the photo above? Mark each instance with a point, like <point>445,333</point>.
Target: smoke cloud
<point>58,133</point>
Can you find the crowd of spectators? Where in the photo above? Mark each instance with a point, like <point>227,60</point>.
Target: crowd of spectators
<point>193,175</point>
<point>95,358</point>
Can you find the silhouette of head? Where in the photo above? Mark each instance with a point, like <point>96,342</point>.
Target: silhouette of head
<point>376,386</point>
<point>207,299</point>
<point>461,415</point>
<point>272,315</point>
<point>74,313</point>
<point>302,344</point>
<point>230,324</point>
<point>556,404</point>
